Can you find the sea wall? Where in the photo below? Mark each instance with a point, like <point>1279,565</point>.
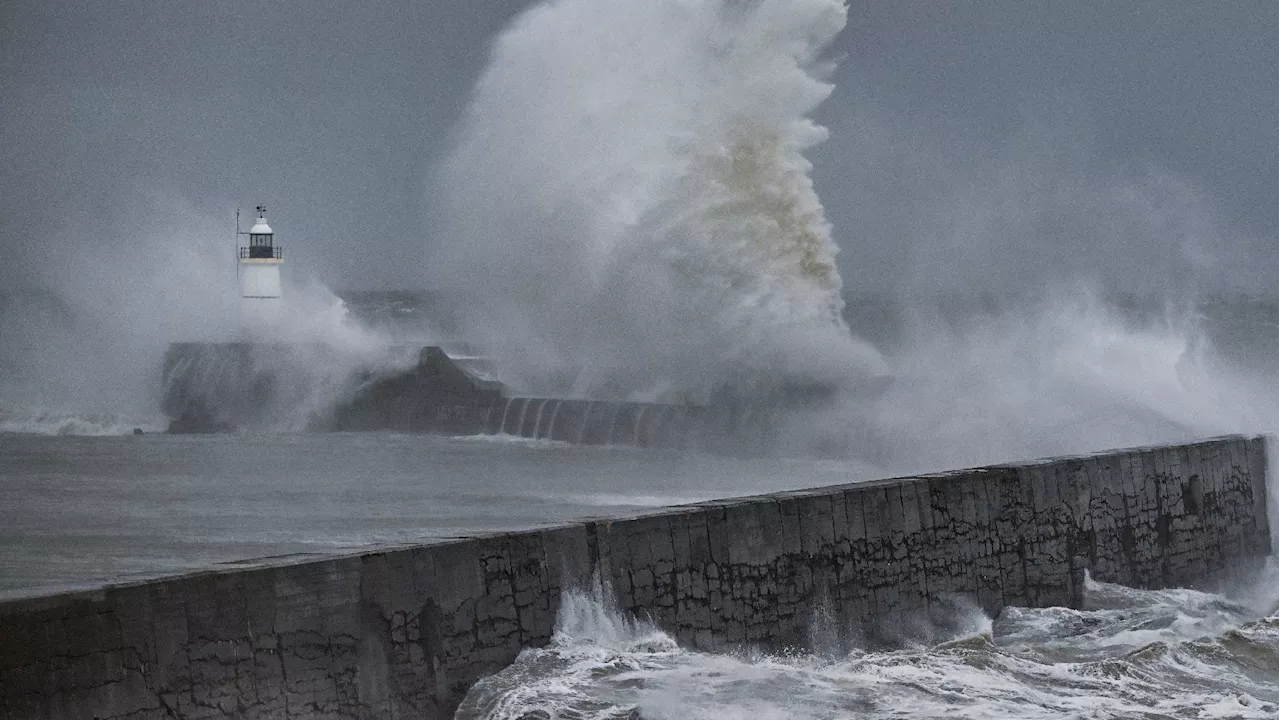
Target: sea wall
<point>640,424</point>
<point>221,387</point>
<point>403,633</point>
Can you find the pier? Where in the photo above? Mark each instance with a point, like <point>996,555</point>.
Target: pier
<point>403,632</point>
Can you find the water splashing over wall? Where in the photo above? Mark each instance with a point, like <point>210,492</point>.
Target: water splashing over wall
<point>630,208</point>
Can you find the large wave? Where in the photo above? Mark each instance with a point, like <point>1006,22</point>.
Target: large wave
<point>629,207</point>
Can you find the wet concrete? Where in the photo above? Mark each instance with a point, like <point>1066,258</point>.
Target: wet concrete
<point>404,632</point>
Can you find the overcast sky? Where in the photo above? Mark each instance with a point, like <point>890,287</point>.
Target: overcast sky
<point>974,144</point>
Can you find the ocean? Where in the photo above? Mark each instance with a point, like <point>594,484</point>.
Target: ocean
<point>87,501</point>
<point>1127,654</point>
<point>628,211</point>
<point>83,510</point>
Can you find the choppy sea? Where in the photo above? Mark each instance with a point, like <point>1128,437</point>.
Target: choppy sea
<point>84,500</point>
<point>1128,654</point>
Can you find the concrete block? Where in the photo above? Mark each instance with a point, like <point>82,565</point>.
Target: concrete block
<point>797,515</point>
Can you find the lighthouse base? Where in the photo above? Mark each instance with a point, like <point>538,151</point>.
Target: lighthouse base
<point>238,386</point>
<point>261,318</point>
<point>221,387</point>
<point>230,386</point>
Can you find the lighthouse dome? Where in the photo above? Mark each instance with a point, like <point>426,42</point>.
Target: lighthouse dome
<point>260,227</point>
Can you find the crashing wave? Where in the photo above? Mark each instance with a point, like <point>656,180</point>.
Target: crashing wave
<point>52,422</point>
<point>631,212</point>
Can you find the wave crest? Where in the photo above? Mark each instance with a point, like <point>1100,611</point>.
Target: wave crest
<point>631,212</point>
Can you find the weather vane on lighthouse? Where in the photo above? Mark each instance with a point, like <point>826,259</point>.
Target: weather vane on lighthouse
<point>259,273</point>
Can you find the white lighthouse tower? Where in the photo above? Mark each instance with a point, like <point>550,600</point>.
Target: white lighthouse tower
<point>259,270</point>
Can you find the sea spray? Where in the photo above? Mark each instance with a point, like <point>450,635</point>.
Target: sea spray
<point>1130,653</point>
<point>29,421</point>
<point>1070,371</point>
<point>630,212</point>
<point>590,635</point>
<point>92,346</point>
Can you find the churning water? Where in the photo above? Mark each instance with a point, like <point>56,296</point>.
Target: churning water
<point>1128,654</point>
<point>630,214</point>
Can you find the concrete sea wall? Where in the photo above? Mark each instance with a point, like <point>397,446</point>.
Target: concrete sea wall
<point>403,633</point>
<point>601,422</point>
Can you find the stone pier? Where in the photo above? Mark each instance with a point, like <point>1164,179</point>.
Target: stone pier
<point>403,633</point>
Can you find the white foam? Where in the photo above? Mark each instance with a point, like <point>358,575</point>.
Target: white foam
<point>630,198</point>
<point>508,439</point>
<point>602,664</point>
<point>54,422</point>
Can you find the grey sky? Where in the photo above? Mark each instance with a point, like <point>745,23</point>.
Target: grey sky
<point>994,144</point>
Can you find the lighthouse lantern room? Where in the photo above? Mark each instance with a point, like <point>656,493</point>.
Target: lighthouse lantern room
<point>259,271</point>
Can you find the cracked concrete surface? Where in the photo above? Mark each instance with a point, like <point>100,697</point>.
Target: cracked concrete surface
<point>405,632</point>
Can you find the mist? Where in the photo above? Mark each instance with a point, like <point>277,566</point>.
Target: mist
<point>588,250</point>
<point>85,356</point>
<point>1057,158</point>
<point>635,211</point>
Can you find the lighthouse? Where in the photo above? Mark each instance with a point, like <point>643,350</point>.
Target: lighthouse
<point>259,271</point>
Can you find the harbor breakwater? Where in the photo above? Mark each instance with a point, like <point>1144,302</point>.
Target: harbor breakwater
<point>404,632</point>
<point>219,387</point>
